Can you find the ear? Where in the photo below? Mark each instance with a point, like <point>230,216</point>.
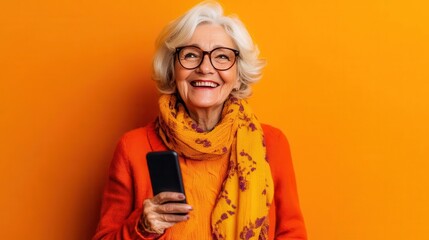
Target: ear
<point>237,84</point>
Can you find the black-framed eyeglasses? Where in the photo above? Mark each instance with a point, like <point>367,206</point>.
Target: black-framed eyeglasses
<point>221,58</point>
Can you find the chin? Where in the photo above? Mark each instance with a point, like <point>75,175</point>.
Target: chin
<point>204,102</point>
<point>205,106</point>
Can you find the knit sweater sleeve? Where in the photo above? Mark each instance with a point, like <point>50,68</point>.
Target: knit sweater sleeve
<point>119,218</point>
<point>289,223</point>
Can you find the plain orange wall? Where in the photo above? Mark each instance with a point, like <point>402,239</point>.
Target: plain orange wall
<point>347,81</point>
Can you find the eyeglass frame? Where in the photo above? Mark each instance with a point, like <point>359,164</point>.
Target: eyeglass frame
<point>209,53</point>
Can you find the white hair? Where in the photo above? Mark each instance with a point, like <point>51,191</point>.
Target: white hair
<point>179,31</point>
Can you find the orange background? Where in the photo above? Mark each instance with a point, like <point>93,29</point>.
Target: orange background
<point>347,81</point>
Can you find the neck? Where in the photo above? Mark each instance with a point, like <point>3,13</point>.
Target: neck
<point>206,119</point>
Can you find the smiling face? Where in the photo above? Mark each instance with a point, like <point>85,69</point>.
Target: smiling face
<point>205,88</point>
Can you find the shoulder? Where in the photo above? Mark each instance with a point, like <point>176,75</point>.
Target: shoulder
<point>270,130</point>
<point>144,138</point>
<point>132,148</point>
<point>138,138</point>
<point>139,133</point>
<point>273,136</point>
<point>278,150</point>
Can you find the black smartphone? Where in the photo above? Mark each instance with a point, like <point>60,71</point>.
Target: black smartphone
<point>164,171</point>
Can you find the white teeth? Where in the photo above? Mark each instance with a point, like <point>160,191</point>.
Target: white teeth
<point>204,84</point>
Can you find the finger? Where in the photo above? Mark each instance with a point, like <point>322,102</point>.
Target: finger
<point>155,223</point>
<point>148,205</point>
<point>160,226</point>
<point>173,218</point>
<point>164,197</point>
<point>169,208</point>
<point>159,222</point>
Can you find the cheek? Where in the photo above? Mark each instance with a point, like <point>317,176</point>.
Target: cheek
<point>180,77</point>
<point>178,73</point>
<point>230,77</point>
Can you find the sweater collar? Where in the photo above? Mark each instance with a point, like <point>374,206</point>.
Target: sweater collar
<point>155,142</point>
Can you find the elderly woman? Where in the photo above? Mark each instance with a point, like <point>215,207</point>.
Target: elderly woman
<point>237,173</point>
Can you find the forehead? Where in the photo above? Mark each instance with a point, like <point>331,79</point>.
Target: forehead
<point>208,36</point>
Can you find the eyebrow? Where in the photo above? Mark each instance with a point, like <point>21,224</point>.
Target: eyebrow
<point>198,46</point>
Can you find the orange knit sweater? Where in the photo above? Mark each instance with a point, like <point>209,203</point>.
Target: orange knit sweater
<point>129,185</point>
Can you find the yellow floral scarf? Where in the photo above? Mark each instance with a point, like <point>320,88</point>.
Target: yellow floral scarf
<point>241,211</point>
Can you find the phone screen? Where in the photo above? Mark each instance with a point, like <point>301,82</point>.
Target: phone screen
<point>164,171</point>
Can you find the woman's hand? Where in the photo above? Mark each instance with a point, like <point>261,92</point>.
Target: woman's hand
<point>158,215</point>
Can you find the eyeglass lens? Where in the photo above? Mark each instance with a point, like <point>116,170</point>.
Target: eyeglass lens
<point>221,58</point>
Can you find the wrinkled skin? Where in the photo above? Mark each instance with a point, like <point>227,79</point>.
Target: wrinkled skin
<point>159,215</point>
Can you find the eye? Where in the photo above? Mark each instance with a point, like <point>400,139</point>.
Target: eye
<point>190,55</point>
<point>223,57</point>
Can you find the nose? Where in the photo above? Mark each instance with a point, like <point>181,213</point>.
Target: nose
<point>206,65</point>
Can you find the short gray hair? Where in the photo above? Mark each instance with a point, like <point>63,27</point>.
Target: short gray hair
<point>249,65</point>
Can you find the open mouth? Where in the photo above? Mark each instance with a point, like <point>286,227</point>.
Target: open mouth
<point>208,84</point>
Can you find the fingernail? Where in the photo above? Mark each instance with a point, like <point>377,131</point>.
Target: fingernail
<point>181,196</point>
